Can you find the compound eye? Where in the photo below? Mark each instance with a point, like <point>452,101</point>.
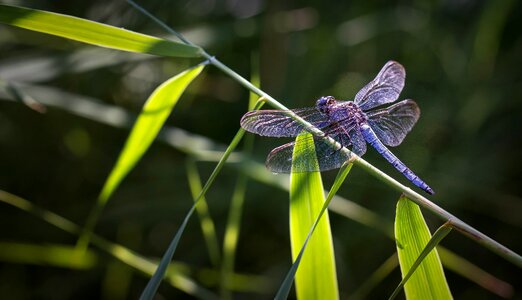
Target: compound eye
<point>324,104</point>
<point>330,100</point>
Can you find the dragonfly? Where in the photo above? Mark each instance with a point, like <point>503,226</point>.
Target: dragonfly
<point>352,124</point>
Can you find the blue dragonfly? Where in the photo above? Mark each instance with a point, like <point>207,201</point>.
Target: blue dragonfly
<point>350,123</point>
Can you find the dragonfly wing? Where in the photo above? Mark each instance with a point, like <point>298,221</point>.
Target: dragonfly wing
<point>277,123</point>
<point>385,88</point>
<point>391,124</point>
<point>280,159</point>
<point>358,142</point>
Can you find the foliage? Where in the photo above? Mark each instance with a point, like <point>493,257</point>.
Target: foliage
<point>61,161</point>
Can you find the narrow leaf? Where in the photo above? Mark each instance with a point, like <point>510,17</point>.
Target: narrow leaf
<point>149,122</point>
<point>205,220</point>
<point>434,241</point>
<point>125,255</point>
<point>316,277</point>
<point>55,255</point>
<point>284,289</point>
<point>151,119</point>
<point>413,236</point>
<point>91,32</point>
<point>154,282</point>
<point>233,227</point>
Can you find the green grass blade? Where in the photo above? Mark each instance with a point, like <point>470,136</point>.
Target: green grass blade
<point>92,32</point>
<point>181,140</point>
<point>149,122</point>
<point>154,282</point>
<point>284,289</point>
<point>46,255</point>
<point>125,255</point>
<point>117,280</point>
<point>176,275</point>
<point>233,226</point>
<point>231,237</point>
<point>434,241</point>
<point>205,220</point>
<point>413,236</point>
<point>151,119</point>
<point>316,277</point>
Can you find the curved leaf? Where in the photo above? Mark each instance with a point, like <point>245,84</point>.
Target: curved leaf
<point>412,236</point>
<point>91,32</point>
<point>149,122</point>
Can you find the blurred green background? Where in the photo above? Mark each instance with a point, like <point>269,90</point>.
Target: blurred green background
<point>463,61</point>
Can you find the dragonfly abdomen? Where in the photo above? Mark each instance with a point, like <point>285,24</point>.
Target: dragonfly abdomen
<point>372,139</point>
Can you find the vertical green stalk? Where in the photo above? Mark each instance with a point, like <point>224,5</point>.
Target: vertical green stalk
<point>236,206</point>
<point>232,236</point>
<point>205,220</point>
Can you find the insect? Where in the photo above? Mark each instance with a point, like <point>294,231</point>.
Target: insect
<point>350,123</point>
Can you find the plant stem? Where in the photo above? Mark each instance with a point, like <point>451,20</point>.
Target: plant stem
<point>455,222</point>
<point>412,195</point>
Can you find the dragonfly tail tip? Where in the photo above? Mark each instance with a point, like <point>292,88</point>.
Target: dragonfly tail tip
<point>429,191</point>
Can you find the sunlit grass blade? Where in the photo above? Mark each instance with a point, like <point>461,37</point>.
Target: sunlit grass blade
<point>450,260</point>
<point>125,255</point>
<point>316,277</point>
<point>284,289</point>
<point>149,122</point>
<point>154,282</point>
<point>434,241</point>
<point>117,280</point>
<point>208,149</point>
<point>176,275</point>
<point>205,220</point>
<point>151,119</point>
<point>413,236</point>
<point>232,235</point>
<point>48,254</point>
<point>94,33</point>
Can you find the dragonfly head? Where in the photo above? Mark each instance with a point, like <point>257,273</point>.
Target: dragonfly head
<point>324,104</point>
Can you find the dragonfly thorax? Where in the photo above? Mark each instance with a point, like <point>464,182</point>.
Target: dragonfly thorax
<point>341,111</point>
<point>355,113</point>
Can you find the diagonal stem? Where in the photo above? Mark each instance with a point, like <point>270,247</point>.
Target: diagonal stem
<point>458,224</point>
<point>455,222</point>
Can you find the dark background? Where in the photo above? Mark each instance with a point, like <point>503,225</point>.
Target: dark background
<point>463,60</point>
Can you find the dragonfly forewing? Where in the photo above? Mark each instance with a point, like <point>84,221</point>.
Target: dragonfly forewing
<point>278,123</point>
